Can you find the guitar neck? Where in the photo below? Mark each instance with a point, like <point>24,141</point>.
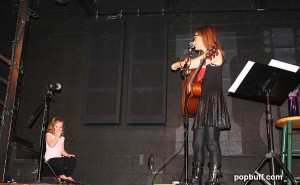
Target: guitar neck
<point>211,52</point>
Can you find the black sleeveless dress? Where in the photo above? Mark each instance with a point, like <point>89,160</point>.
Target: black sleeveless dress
<point>212,109</point>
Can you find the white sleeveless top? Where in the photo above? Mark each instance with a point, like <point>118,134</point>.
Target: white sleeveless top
<point>54,152</point>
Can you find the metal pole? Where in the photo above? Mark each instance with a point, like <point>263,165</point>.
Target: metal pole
<point>47,99</point>
<point>270,134</point>
<point>186,150</point>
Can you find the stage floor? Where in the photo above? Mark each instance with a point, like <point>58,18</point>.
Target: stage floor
<point>41,183</point>
<point>21,184</point>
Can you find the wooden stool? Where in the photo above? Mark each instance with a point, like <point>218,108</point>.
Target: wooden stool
<point>287,153</point>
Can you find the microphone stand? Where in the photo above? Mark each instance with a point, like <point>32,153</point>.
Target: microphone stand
<point>43,106</point>
<point>48,97</point>
<point>186,75</point>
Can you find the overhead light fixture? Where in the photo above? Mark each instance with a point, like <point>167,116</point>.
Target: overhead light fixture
<point>62,2</point>
<point>260,5</point>
<point>33,14</point>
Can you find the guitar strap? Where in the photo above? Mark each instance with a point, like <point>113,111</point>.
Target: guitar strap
<point>201,74</point>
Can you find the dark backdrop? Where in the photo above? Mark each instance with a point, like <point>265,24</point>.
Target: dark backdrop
<point>145,115</point>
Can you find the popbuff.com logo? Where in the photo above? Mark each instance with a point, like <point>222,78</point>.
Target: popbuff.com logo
<point>258,177</point>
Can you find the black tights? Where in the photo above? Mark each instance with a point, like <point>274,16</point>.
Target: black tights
<point>63,165</point>
<point>210,136</point>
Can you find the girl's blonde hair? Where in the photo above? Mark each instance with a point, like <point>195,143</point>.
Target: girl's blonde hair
<point>50,128</point>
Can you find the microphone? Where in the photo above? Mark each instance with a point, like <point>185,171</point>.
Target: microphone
<point>53,87</point>
<point>192,45</point>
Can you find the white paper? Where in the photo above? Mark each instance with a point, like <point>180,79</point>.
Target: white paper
<point>241,76</point>
<point>283,65</point>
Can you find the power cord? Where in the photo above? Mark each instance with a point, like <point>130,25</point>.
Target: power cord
<point>168,160</point>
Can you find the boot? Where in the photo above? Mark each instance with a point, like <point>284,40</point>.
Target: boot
<point>197,172</point>
<point>214,174</point>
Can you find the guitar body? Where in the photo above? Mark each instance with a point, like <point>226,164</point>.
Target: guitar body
<point>192,97</point>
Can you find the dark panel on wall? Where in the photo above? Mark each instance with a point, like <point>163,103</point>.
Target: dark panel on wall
<point>147,72</point>
<point>104,73</point>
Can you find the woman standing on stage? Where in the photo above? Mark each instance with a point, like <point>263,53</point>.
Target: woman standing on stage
<point>212,114</point>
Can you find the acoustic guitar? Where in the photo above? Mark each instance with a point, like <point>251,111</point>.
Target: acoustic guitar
<point>191,95</point>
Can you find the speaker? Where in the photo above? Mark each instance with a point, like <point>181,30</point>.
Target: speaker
<point>103,85</point>
<point>23,170</point>
<point>147,72</point>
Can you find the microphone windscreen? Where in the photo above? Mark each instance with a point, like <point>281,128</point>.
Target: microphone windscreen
<point>192,44</point>
<point>58,86</point>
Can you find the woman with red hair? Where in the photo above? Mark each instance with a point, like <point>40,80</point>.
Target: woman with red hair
<point>212,114</point>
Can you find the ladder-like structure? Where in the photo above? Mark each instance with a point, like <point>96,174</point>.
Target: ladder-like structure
<point>9,102</point>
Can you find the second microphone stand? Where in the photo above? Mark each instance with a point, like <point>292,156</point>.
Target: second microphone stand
<point>48,97</point>
<point>43,107</point>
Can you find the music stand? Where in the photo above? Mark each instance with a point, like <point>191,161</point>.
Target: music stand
<point>271,84</point>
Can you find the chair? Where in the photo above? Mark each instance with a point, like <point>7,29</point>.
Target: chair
<point>52,171</point>
<point>58,179</point>
<point>287,152</point>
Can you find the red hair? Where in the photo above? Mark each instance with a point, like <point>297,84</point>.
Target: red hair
<point>209,37</point>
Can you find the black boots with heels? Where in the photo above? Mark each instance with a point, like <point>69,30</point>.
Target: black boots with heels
<point>214,174</point>
<point>197,172</point>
